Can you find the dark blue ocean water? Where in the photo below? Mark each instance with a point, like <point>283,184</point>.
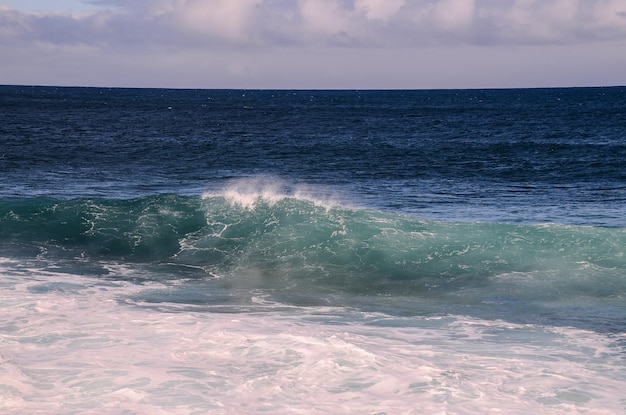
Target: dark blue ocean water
<point>506,206</point>
<point>544,155</point>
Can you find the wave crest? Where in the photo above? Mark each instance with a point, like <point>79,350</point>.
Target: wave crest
<point>247,193</point>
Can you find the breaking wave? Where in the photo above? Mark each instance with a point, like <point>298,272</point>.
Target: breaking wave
<point>285,239</point>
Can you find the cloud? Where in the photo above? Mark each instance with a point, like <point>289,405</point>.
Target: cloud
<point>227,19</point>
<point>362,23</point>
<point>318,43</point>
<point>454,14</point>
<point>379,9</point>
<point>563,21</point>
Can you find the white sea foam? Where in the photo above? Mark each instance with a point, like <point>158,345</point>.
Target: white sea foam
<point>248,192</point>
<point>69,346</point>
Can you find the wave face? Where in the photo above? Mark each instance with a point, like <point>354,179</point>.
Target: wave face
<point>297,246</point>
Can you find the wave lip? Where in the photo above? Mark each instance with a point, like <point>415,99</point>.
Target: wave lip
<point>248,192</point>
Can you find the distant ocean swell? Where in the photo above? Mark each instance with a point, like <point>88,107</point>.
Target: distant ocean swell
<point>298,241</point>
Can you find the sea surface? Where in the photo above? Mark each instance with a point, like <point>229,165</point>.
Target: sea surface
<point>312,252</point>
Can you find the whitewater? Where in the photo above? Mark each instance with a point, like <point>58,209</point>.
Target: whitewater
<point>309,252</point>
<point>69,346</point>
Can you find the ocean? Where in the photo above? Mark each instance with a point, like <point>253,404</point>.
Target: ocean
<point>312,252</point>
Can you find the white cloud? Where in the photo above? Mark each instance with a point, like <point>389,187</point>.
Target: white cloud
<point>566,21</point>
<point>324,17</point>
<point>453,14</point>
<point>379,9</point>
<point>227,19</point>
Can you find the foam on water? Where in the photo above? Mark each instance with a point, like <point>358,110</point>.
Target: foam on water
<point>249,191</point>
<point>75,345</point>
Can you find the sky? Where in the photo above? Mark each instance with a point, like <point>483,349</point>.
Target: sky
<point>313,44</point>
